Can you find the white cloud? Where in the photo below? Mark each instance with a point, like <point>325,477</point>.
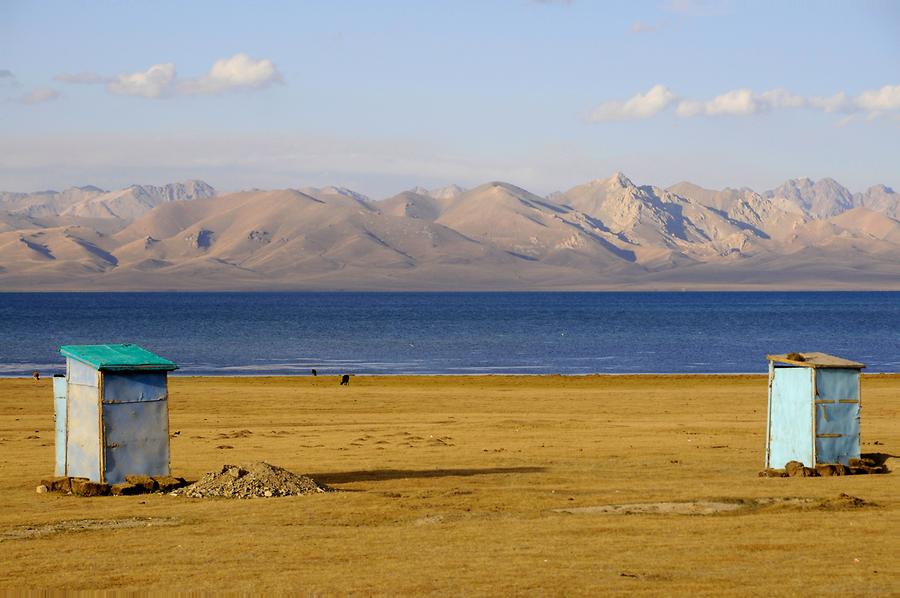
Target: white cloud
<point>738,102</point>
<point>741,102</point>
<point>746,102</point>
<point>161,80</point>
<point>39,96</point>
<point>239,71</point>
<point>645,105</point>
<point>155,82</point>
<point>886,98</point>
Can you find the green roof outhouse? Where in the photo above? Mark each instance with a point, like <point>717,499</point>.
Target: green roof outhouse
<point>112,413</point>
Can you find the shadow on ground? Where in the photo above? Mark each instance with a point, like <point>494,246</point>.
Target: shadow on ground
<point>374,475</point>
<point>878,458</point>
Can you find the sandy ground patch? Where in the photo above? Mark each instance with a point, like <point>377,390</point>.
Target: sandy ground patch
<point>27,532</point>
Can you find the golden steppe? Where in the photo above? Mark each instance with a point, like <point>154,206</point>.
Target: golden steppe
<point>449,485</point>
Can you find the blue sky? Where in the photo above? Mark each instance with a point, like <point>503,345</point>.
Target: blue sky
<point>382,96</point>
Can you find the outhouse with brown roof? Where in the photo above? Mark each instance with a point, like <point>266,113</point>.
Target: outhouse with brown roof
<point>814,409</point>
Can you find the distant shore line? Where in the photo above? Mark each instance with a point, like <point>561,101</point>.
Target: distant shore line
<point>473,375</point>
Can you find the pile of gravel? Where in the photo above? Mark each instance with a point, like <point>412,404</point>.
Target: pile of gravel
<point>256,480</point>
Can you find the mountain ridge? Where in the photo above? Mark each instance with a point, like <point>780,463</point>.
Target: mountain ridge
<point>608,233</point>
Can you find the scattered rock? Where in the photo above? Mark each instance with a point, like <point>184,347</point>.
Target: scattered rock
<point>84,487</point>
<point>59,484</point>
<point>42,489</point>
<point>832,469</point>
<point>795,469</point>
<point>126,489</point>
<point>168,483</point>
<point>144,482</point>
<point>256,480</point>
<point>870,463</point>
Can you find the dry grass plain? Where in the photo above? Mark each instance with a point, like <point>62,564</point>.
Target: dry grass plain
<point>448,486</point>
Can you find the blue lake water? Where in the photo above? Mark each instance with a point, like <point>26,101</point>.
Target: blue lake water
<point>453,333</point>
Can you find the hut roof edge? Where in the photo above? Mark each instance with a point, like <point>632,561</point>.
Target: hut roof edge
<point>816,360</point>
<point>118,357</point>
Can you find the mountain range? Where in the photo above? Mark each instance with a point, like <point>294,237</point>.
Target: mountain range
<point>604,234</point>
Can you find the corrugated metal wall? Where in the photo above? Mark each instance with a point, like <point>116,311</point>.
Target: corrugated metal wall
<point>837,415</point>
<point>135,424</point>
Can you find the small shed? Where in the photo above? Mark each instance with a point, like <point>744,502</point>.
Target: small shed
<point>112,414</point>
<point>814,404</point>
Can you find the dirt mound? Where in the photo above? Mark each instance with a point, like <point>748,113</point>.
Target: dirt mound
<point>844,501</point>
<point>256,480</point>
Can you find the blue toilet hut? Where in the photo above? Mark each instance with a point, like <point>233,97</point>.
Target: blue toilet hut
<point>814,404</point>
<point>112,413</point>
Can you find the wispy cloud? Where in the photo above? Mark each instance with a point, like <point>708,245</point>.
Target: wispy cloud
<point>158,81</point>
<point>697,8</point>
<point>162,81</point>
<point>39,96</point>
<point>746,102</point>
<point>645,27</point>
<point>83,78</point>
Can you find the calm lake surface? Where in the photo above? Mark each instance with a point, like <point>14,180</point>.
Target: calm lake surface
<point>453,333</point>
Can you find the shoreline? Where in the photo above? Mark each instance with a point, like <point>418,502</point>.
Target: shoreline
<point>467,376</point>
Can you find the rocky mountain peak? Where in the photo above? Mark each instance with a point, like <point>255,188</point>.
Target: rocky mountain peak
<point>619,180</point>
<point>819,199</point>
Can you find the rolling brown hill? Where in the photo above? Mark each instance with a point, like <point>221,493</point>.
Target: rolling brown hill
<point>605,234</point>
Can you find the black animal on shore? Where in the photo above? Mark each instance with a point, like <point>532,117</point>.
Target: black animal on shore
<point>345,380</point>
<point>314,372</point>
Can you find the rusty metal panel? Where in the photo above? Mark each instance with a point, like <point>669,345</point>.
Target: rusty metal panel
<point>837,416</point>
<point>136,438</point>
<point>81,373</point>
<point>130,387</point>
<point>83,432</point>
<point>59,410</point>
<point>790,421</point>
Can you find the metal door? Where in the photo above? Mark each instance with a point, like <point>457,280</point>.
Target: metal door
<point>790,417</point>
<point>837,415</point>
